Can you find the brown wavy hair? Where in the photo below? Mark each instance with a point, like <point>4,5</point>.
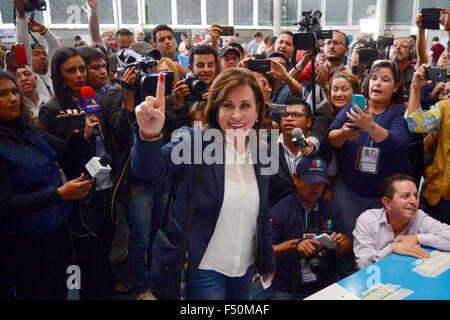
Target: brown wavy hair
<point>354,83</point>
<point>227,80</point>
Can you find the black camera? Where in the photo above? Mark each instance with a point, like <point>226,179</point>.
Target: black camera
<point>197,86</point>
<point>147,80</point>
<point>259,65</point>
<point>430,18</point>
<point>373,50</point>
<point>310,31</point>
<point>436,74</point>
<point>318,264</point>
<point>33,5</point>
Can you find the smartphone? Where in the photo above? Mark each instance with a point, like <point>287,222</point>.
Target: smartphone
<point>436,74</point>
<point>259,65</point>
<point>430,18</point>
<point>66,123</point>
<point>21,54</point>
<point>227,30</point>
<point>359,100</point>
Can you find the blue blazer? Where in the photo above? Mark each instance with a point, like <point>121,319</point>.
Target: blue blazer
<point>152,161</point>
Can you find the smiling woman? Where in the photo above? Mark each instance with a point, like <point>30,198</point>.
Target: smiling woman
<point>230,230</point>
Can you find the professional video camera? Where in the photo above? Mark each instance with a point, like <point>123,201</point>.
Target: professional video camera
<point>310,31</point>
<point>33,5</point>
<point>197,86</point>
<point>374,50</point>
<point>147,80</point>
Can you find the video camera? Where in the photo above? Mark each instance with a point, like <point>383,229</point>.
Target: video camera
<point>373,50</point>
<point>33,5</point>
<point>310,31</point>
<point>147,80</point>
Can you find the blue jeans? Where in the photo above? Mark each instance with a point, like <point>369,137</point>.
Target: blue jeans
<point>212,285</point>
<point>282,295</point>
<point>146,210</point>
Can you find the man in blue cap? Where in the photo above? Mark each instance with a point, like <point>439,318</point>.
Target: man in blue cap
<point>305,264</point>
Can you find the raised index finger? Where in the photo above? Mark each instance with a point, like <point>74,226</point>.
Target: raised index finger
<point>161,87</point>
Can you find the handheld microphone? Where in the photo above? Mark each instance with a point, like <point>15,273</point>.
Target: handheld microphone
<point>298,138</point>
<point>90,102</point>
<point>99,169</point>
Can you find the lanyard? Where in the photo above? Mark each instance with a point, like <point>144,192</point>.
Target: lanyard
<point>303,228</point>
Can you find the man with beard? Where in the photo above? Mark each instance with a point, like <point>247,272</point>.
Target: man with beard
<point>400,54</point>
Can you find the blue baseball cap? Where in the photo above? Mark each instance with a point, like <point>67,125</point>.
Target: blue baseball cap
<point>312,170</point>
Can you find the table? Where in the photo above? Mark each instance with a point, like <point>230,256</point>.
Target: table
<point>396,277</point>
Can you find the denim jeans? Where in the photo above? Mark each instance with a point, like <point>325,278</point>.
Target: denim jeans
<point>282,295</point>
<point>212,285</point>
<point>146,210</point>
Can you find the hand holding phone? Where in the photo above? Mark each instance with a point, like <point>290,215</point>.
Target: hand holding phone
<point>360,101</point>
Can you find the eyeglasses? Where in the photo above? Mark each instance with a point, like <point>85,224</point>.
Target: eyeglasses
<point>403,45</point>
<point>335,42</point>
<point>295,115</point>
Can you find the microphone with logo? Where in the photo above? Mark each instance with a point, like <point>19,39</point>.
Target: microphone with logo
<point>91,104</point>
<point>298,138</point>
<point>99,169</point>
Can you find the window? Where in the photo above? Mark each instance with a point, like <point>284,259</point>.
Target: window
<point>158,12</point>
<point>189,12</point>
<point>130,11</point>
<point>336,12</point>
<point>243,12</point>
<point>310,5</point>
<point>265,12</point>
<point>69,12</point>
<point>217,12</point>
<point>105,11</point>
<point>363,9</point>
<point>399,12</point>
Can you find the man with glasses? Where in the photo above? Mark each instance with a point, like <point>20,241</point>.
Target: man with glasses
<point>400,54</point>
<point>335,50</point>
<point>297,115</point>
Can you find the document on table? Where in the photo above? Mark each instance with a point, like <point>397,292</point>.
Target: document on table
<point>333,292</point>
<point>434,266</point>
<point>386,292</point>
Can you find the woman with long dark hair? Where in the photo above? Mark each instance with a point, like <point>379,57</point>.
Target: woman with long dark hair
<point>372,144</point>
<point>33,199</point>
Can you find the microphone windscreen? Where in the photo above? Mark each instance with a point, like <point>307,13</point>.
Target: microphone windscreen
<point>297,133</point>
<point>105,159</point>
<point>87,92</point>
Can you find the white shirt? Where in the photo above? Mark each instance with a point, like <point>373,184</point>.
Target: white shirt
<point>291,160</point>
<point>231,249</point>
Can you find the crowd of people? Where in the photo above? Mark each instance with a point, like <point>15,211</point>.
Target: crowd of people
<point>373,176</point>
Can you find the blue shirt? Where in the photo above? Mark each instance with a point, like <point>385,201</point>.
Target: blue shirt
<point>393,151</point>
<point>286,226</point>
<point>184,60</point>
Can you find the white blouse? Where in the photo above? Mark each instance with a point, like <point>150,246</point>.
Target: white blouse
<point>231,249</point>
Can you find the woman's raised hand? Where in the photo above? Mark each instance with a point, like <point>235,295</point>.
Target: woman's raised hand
<point>150,114</point>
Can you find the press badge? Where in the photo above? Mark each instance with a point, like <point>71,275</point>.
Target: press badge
<point>369,159</point>
<point>307,275</point>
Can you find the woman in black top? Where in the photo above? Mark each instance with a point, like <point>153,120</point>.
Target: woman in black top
<point>33,210</point>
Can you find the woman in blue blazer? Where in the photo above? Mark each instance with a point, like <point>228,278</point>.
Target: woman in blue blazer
<point>230,233</point>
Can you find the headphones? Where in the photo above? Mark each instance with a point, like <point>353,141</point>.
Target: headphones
<point>412,49</point>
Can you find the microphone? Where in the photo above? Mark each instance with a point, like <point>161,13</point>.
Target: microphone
<point>90,102</point>
<point>99,169</point>
<point>298,138</point>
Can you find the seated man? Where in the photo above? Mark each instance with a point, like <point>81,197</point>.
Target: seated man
<point>399,227</point>
<point>295,220</point>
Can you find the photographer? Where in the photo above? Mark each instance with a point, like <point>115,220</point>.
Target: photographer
<point>203,65</point>
<point>359,70</point>
<point>36,53</point>
<point>35,198</point>
<point>297,115</point>
<point>304,265</point>
<point>436,189</point>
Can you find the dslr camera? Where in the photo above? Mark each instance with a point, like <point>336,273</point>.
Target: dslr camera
<point>310,31</point>
<point>33,5</point>
<point>197,86</point>
<point>147,80</point>
<point>318,264</point>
